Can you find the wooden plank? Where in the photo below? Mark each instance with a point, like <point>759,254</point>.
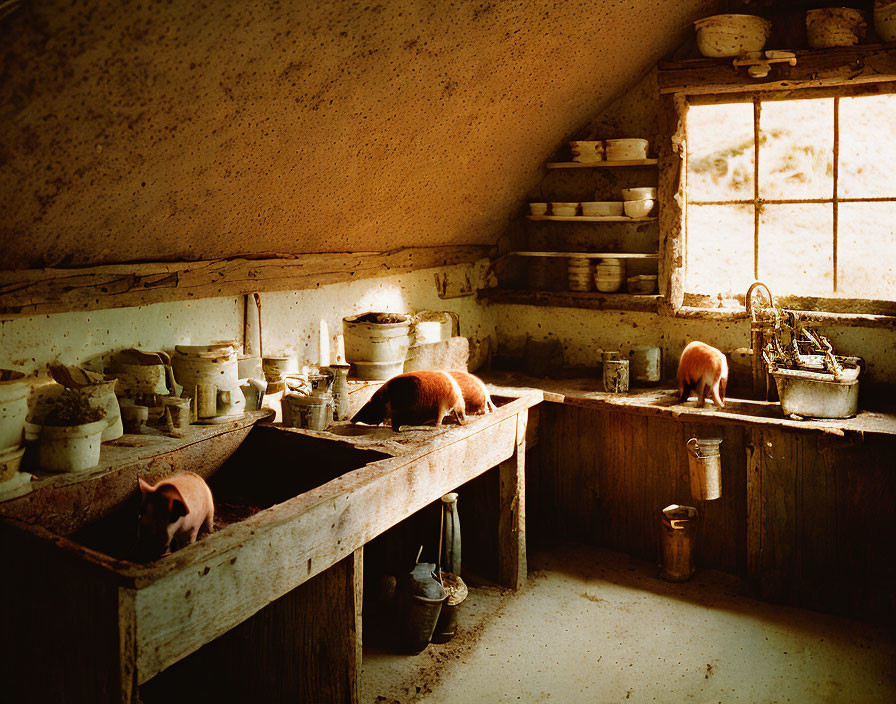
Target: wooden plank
<point>589,218</point>
<point>512,513</point>
<point>588,255</point>
<point>832,67</point>
<point>38,291</point>
<point>587,392</point>
<point>301,537</point>
<point>600,164</point>
<point>753,450</point>
<point>671,117</point>
<point>58,602</point>
<point>303,647</point>
<point>646,303</point>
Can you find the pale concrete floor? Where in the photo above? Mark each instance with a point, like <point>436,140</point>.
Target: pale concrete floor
<point>597,626</point>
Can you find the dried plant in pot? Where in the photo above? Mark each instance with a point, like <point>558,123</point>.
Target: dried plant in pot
<point>71,434</point>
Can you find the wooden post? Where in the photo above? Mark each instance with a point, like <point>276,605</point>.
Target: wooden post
<point>59,605</point>
<point>303,647</point>
<point>754,508</point>
<point>512,512</point>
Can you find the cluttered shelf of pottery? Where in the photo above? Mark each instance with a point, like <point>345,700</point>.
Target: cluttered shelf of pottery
<point>646,303</point>
<point>589,255</point>
<point>599,164</point>
<point>663,401</point>
<point>586,218</point>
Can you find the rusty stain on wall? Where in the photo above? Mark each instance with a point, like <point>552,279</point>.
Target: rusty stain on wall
<point>161,131</point>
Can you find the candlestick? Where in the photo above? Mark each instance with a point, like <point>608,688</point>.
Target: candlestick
<point>323,345</point>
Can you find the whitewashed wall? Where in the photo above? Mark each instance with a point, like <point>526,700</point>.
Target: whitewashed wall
<point>290,320</point>
<point>584,333</point>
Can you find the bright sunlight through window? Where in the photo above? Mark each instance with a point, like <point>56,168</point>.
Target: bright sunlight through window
<point>800,194</point>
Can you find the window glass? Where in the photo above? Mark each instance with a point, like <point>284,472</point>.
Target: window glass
<point>719,248</point>
<point>867,146</point>
<point>796,252</point>
<point>866,250</point>
<point>720,152</point>
<point>796,149</point>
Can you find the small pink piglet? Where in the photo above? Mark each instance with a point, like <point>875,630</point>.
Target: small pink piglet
<point>172,512</point>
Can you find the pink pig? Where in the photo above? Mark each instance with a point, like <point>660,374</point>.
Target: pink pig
<point>173,511</point>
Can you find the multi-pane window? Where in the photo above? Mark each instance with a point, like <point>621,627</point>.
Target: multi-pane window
<point>799,193</point>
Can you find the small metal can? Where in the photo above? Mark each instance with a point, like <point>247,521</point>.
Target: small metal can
<point>616,376</point>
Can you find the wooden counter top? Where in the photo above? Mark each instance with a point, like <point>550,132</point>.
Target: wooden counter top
<point>663,401</point>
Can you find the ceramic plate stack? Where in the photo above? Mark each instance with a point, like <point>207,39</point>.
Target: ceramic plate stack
<point>579,274</point>
<point>609,275</point>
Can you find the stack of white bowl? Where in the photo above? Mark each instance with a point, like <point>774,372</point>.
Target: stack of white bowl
<point>626,149</point>
<point>579,274</point>
<point>638,202</point>
<point>609,274</point>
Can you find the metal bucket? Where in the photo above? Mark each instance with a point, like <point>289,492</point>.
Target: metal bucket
<point>705,462</point>
<point>679,527</point>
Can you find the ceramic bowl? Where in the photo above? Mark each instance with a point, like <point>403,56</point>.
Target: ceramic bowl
<point>538,208</point>
<point>642,283</point>
<point>641,193</point>
<point>629,149</point>
<point>587,151</point>
<point>731,35</point>
<point>835,26</point>
<point>602,208</point>
<point>638,208</point>
<point>885,21</point>
<point>564,210</point>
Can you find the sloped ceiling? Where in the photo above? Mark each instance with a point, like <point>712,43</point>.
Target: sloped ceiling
<point>174,130</point>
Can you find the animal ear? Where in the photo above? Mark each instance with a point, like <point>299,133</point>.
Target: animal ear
<point>177,508</point>
<point>145,487</point>
<point>176,505</point>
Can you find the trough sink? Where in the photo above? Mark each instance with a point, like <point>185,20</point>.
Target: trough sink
<point>71,542</point>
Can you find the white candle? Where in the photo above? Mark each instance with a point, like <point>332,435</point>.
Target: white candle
<point>340,349</point>
<point>323,345</point>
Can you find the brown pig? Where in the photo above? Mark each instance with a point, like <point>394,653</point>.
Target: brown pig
<point>414,398</point>
<point>172,512</point>
<point>476,396</point>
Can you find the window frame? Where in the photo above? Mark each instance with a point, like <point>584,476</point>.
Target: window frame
<point>672,166</point>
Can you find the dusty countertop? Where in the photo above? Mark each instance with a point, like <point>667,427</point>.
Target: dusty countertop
<point>587,392</point>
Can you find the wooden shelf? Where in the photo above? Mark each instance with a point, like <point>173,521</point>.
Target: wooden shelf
<point>588,255</point>
<point>586,218</point>
<point>646,303</point>
<point>599,164</point>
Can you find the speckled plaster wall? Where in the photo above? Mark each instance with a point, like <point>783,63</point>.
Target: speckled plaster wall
<point>143,130</point>
<point>584,333</point>
<point>290,321</point>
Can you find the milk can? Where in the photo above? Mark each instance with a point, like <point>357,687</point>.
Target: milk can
<point>705,463</point>
<point>679,524</point>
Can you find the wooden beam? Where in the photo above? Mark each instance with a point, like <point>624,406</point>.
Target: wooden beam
<point>573,299</point>
<point>512,513</point>
<point>39,291</point>
<point>832,67</point>
<point>672,178</point>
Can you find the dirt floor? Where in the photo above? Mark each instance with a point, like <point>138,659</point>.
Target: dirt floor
<point>597,626</point>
